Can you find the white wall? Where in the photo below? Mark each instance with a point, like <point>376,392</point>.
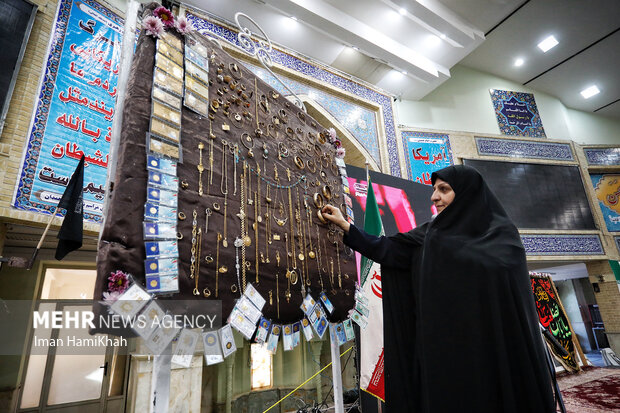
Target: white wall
<point>463,103</point>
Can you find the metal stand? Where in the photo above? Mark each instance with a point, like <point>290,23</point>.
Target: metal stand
<point>336,374</point>
<point>558,395</point>
<point>160,381</point>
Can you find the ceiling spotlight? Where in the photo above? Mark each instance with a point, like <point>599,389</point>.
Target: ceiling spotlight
<point>547,44</point>
<point>404,72</point>
<point>589,92</point>
<point>443,36</point>
<point>355,48</point>
<point>402,11</point>
<point>519,62</point>
<point>294,18</point>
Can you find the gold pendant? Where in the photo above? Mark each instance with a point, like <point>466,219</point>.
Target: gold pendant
<point>311,254</point>
<point>225,243</point>
<point>293,277</point>
<point>301,256</point>
<point>247,241</point>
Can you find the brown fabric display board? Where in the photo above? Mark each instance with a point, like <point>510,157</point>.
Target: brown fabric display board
<point>553,317</point>
<point>288,140</point>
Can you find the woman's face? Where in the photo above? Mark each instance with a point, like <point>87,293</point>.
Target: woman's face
<point>443,195</point>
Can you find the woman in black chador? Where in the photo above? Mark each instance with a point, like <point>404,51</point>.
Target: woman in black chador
<point>460,327</point>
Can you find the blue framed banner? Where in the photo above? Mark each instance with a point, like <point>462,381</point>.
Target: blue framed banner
<point>607,190</point>
<point>517,114</point>
<point>425,153</point>
<point>75,109</point>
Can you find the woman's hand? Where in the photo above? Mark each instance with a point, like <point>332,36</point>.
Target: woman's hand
<point>333,214</point>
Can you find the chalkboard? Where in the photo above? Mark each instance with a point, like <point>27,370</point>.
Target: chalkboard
<point>16,18</point>
<point>537,196</point>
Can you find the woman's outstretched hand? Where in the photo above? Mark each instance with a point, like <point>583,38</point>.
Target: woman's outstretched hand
<point>333,214</point>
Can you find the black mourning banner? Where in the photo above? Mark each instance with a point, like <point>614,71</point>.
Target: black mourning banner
<point>71,231</point>
<point>553,318</point>
<point>266,150</point>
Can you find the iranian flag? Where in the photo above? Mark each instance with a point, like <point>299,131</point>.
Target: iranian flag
<point>371,343</point>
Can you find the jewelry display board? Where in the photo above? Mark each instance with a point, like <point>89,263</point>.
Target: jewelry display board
<point>253,172</point>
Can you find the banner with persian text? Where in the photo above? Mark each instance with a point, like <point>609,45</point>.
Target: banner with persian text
<point>425,153</point>
<point>75,109</point>
<point>517,114</point>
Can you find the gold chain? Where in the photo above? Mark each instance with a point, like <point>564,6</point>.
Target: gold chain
<point>243,227</point>
<point>217,263</point>
<point>192,267</point>
<point>338,261</point>
<point>256,231</point>
<point>200,167</point>
<point>318,258</point>
<point>224,190</point>
<point>290,208</point>
<point>196,292</point>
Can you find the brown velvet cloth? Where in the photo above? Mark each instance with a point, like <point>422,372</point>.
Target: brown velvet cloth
<point>122,242</point>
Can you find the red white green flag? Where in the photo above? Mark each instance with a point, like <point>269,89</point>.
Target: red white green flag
<point>371,338</point>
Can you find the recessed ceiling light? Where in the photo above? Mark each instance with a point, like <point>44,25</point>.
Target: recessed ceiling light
<point>355,48</point>
<point>547,44</point>
<point>404,72</point>
<point>402,11</point>
<point>519,62</point>
<point>443,36</point>
<point>294,18</point>
<point>589,92</point>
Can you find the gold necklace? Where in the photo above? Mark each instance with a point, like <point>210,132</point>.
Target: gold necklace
<point>277,295</point>
<point>192,267</point>
<point>224,189</point>
<point>318,258</point>
<point>197,277</point>
<point>211,140</point>
<point>256,232</point>
<point>200,167</point>
<point>338,261</point>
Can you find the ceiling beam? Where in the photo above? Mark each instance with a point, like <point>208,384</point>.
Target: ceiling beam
<point>339,25</point>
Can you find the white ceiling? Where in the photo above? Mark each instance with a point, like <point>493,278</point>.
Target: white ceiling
<point>434,35</point>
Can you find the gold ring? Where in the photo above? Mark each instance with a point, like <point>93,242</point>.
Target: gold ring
<point>184,184</point>
<point>206,292</point>
<point>216,206</point>
<point>327,192</point>
<point>320,216</point>
<point>318,200</point>
<point>233,288</point>
<point>179,235</point>
<point>299,162</point>
<point>209,259</point>
<point>182,216</point>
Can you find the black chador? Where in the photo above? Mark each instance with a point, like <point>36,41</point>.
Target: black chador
<point>460,327</point>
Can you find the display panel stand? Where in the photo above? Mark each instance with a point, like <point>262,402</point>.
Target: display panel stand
<point>336,372</point>
<point>160,381</point>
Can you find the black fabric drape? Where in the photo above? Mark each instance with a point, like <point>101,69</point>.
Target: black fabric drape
<point>464,336</point>
<point>71,231</point>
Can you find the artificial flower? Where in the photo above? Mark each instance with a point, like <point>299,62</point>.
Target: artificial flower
<point>118,282</point>
<point>332,134</point>
<point>111,297</point>
<point>183,26</point>
<point>164,15</point>
<point>153,26</point>
<point>340,152</point>
<point>337,144</point>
